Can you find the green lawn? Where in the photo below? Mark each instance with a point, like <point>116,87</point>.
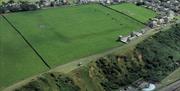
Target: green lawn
<point>140,13</point>
<point>17,60</point>
<point>61,35</point>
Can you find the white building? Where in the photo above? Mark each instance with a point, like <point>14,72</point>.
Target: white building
<point>171,14</point>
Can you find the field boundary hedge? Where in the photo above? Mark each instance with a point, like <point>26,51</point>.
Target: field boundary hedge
<point>29,44</point>
<point>123,14</point>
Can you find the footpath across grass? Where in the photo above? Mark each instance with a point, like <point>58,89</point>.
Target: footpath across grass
<point>64,34</point>
<point>140,13</point>
<point>17,60</point>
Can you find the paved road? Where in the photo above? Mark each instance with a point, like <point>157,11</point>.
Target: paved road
<point>172,87</point>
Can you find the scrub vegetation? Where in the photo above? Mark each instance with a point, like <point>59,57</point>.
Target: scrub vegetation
<point>152,60</point>
<point>51,82</point>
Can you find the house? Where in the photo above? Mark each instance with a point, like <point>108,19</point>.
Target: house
<point>131,38</point>
<point>153,24</point>
<point>45,3</point>
<point>124,39</point>
<point>108,1</point>
<point>171,14</point>
<point>143,31</point>
<point>161,21</point>
<point>137,34</point>
<point>166,20</point>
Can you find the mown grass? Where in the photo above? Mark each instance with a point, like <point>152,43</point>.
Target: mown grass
<point>61,35</point>
<point>17,60</point>
<point>140,13</point>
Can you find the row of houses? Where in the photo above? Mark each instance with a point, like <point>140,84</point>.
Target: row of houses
<point>12,6</point>
<point>47,3</point>
<point>163,5</point>
<point>162,19</point>
<point>167,10</point>
<point>155,22</point>
<point>131,36</point>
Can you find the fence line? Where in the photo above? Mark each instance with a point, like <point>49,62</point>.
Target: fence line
<point>42,59</point>
<point>123,14</point>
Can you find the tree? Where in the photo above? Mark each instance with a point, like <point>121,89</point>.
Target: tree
<point>26,6</point>
<point>11,1</point>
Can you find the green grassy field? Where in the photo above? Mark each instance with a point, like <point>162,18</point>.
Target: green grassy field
<point>61,35</point>
<point>140,13</point>
<point>17,60</point>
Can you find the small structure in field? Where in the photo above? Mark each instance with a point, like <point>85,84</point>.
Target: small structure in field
<point>130,37</point>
